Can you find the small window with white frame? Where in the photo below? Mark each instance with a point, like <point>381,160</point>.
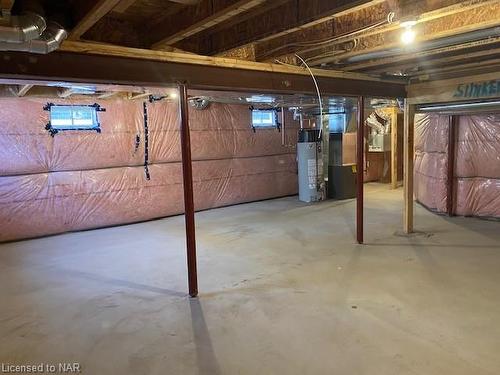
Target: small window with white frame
<point>73,117</point>
<point>264,118</point>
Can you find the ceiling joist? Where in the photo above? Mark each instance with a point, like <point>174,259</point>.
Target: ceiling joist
<point>98,11</point>
<point>216,18</point>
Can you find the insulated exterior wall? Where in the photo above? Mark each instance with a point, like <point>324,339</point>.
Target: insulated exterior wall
<point>431,160</point>
<point>81,180</point>
<point>476,169</point>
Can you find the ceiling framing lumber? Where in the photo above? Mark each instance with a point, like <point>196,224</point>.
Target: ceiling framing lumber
<point>445,91</point>
<point>430,62</point>
<point>23,90</point>
<point>99,10</point>
<point>216,18</point>
<point>335,12</point>
<point>123,5</point>
<point>79,62</point>
<point>449,25</point>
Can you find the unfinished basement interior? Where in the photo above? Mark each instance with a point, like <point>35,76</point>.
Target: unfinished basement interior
<point>250,187</point>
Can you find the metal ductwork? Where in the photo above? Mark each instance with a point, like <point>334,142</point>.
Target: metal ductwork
<point>30,32</point>
<point>22,28</point>
<point>49,41</point>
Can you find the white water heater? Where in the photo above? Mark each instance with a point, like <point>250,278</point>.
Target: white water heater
<point>310,166</point>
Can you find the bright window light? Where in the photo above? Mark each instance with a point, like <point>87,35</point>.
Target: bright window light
<point>73,117</point>
<point>263,118</point>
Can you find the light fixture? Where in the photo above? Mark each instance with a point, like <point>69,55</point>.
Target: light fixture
<point>408,35</point>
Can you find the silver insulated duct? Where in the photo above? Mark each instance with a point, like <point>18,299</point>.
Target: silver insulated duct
<point>22,28</point>
<point>30,32</point>
<point>49,41</point>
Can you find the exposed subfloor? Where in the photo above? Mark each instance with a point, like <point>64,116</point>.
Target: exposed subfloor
<point>283,290</point>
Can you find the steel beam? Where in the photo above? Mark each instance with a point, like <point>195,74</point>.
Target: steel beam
<point>75,67</point>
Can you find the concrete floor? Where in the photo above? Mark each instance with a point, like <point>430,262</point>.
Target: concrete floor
<point>284,290</point>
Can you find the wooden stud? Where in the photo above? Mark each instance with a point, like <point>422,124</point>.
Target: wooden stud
<point>23,90</point>
<point>409,130</point>
<point>394,148</point>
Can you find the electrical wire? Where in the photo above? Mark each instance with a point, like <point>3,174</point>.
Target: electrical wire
<point>319,42</point>
<point>318,92</point>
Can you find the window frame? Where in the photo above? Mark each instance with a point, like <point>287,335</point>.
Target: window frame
<point>54,129</point>
<point>275,125</point>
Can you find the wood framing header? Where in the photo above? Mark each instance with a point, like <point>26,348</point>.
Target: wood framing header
<point>464,89</point>
<point>98,63</point>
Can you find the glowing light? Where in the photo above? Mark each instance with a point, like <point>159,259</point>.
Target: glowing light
<point>173,95</point>
<point>408,36</point>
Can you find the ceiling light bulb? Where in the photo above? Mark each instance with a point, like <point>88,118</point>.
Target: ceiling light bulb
<point>408,36</point>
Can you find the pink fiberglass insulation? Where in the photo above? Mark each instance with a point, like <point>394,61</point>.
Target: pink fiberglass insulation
<point>476,169</point>
<point>81,180</point>
<point>431,160</point>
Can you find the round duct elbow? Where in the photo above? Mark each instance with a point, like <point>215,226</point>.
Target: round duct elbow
<point>23,28</point>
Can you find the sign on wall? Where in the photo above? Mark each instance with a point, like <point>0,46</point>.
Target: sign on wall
<point>478,89</point>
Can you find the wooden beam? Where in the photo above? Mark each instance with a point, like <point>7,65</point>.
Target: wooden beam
<point>212,20</point>
<point>100,9</point>
<point>23,90</point>
<point>394,148</point>
<point>409,152</point>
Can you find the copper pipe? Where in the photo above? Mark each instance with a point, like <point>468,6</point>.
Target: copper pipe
<point>359,169</point>
<point>187,174</point>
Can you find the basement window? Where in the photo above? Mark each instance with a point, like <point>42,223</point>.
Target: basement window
<point>73,117</point>
<point>264,118</point>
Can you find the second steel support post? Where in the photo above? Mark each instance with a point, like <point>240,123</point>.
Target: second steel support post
<point>187,174</point>
<point>360,150</point>
<point>450,187</point>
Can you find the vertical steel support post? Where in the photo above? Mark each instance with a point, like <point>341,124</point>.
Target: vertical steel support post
<point>187,175</point>
<point>409,153</point>
<point>360,151</point>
